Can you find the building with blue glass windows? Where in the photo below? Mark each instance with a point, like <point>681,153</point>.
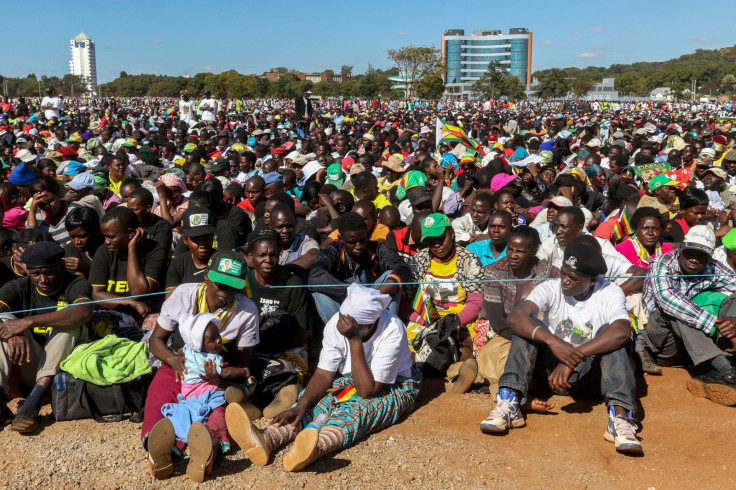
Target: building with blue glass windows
<point>467,56</point>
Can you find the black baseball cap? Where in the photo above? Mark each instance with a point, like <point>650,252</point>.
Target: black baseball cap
<point>262,233</point>
<point>42,254</point>
<point>584,259</point>
<point>197,221</point>
<point>227,267</point>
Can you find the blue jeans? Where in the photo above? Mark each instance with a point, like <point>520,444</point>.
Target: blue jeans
<point>328,307</point>
<point>607,374</point>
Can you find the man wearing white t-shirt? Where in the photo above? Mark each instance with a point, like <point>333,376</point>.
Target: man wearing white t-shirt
<point>50,104</point>
<point>208,106</point>
<point>581,346</point>
<point>186,107</point>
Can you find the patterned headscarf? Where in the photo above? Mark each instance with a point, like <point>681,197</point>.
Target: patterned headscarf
<point>173,180</point>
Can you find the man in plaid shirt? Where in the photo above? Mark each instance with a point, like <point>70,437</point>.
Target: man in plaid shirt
<point>677,285</point>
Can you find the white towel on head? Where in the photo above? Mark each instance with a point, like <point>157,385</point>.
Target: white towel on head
<point>364,304</point>
<point>192,327</point>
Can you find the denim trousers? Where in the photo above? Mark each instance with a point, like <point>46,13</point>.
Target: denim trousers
<point>607,374</point>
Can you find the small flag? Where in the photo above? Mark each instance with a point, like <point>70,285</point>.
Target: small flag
<point>622,228</point>
<point>422,305</point>
<point>343,393</point>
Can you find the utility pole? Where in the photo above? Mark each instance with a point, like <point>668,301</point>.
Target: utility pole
<point>39,89</point>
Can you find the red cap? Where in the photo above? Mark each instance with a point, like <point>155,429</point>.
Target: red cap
<point>278,151</point>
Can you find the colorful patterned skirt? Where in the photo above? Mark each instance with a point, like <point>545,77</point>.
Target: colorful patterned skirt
<point>359,417</point>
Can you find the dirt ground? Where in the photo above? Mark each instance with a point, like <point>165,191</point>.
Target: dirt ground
<point>688,442</point>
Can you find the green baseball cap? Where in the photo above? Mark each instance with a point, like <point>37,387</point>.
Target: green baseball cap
<point>228,268</point>
<point>335,175</point>
<point>435,225</point>
<point>411,179</point>
<point>660,180</point>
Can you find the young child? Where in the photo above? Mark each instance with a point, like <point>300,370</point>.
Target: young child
<point>233,194</point>
<point>202,343</point>
<point>389,216</point>
<point>14,215</point>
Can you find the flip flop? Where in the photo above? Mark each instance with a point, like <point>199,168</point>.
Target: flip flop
<point>26,420</point>
<point>201,454</point>
<point>161,441</point>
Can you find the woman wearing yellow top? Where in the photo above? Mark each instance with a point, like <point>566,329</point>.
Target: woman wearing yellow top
<point>444,266</point>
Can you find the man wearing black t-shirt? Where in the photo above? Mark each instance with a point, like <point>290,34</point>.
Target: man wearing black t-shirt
<point>129,264</point>
<point>11,266</point>
<point>140,201</point>
<point>198,234</point>
<point>39,342</point>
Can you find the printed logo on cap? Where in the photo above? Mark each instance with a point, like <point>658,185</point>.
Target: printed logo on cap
<point>428,221</point>
<point>198,219</point>
<point>572,262</point>
<point>230,266</point>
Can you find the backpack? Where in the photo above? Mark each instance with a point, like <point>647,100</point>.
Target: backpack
<point>74,399</point>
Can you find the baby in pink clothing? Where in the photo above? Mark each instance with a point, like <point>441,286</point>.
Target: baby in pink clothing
<point>202,342</point>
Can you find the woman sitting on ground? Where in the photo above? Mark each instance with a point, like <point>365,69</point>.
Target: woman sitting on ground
<point>450,275</point>
<point>367,345</point>
<point>506,284</point>
<point>641,249</point>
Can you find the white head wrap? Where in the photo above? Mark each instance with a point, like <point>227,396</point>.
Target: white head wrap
<point>364,304</point>
<point>192,327</point>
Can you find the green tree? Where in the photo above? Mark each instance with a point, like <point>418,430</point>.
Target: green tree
<point>123,74</point>
<point>581,86</point>
<point>346,70</point>
<point>631,84</point>
<point>552,85</point>
<point>416,62</point>
<point>326,89</point>
<point>512,88</point>
<point>728,83</point>
<point>489,84</point>
<point>430,87</point>
<point>263,88</point>
<point>74,84</point>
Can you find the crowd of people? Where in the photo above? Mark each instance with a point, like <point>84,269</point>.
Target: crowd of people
<point>311,261</point>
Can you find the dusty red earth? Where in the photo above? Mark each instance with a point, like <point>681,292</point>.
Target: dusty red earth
<point>689,443</point>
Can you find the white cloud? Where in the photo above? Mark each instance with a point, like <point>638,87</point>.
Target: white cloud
<point>546,42</point>
<point>401,33</point>
<point>112,47</point>
<point>156,41</point>
<point>698,39</point>
<point>596,29</point>
<point>600,46</point>
<point>588,56</point>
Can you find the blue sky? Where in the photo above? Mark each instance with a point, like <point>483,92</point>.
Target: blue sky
<point>187,37</point>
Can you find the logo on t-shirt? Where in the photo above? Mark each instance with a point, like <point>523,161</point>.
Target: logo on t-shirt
<point>574,333</point>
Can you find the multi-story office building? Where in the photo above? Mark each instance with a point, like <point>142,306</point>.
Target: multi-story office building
<point>83,61</point>
<point>467,57</point>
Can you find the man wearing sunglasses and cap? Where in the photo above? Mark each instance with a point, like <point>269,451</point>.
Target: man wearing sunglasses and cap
<point>688,297</point>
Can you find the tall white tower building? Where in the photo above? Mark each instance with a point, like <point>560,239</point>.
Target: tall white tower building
<point>83,61</point>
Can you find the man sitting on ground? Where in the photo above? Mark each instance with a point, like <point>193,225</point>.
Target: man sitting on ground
<point>678,326</point>
<point>38,342</point>
<point>581,343</point>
